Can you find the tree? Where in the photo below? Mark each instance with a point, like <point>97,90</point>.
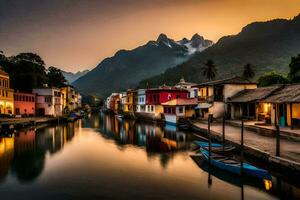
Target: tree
<point>248,72</point>
<point>294,74</point>
<point>271,78</point>
<point>209,70</point>
<point>55,78</point>
<point>26,71</point>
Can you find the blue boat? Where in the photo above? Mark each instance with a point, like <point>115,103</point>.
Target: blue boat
<point>216,147</point>
<point>206,144</point>
<point>234,166</point>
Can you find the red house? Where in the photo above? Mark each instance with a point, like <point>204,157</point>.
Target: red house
<point>24,103</point>
<point>157,96</point>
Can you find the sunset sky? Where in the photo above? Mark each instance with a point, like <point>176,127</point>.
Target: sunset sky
<point>77,34</point>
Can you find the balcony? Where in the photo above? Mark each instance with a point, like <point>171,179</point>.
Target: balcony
<point>210,99</point>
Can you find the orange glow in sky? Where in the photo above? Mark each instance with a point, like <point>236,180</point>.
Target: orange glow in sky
<point>76,35</point>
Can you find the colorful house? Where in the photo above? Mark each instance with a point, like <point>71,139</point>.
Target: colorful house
<point>129,101</point>
<point>71,98</point>
<point>212,96</point>
<point>279,104</point>
<point>141,100</point>
<point>179,109</point>
<point>284,105</point>
<point>6,94</point>
<point>48,101</point>
<point>24,103</point>
<point>157,96</point>
<point>245,104</point>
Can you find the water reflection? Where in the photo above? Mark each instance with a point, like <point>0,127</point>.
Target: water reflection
<point>23,155</point>
<point>103,157</point>
<point>156,139</point>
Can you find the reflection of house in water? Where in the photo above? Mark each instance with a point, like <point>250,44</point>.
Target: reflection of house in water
<point>6,155</point>
<point>29,157</point>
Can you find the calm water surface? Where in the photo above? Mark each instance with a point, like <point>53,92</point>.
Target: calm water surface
<point>102,157</point>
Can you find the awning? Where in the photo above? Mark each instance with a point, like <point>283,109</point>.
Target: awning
<point>203,106</point>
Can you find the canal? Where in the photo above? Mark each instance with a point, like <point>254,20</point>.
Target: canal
<point>103,157</point>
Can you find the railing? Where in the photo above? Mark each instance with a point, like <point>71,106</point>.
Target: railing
<point>210,99</point>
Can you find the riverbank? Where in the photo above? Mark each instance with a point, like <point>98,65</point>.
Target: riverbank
<point>257,147</point>
<point>11,124</point>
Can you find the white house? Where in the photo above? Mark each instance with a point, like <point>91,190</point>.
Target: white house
<point>141,100</point>
<point>213,96</point>
<point>48,101</point>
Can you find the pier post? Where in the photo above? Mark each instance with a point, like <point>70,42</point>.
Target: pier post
<point>277,140</point>
<point>242,146</point>
<point>277,130</point>
<point>291,115</point>
<point>223,131</point>
<point>209,138</point>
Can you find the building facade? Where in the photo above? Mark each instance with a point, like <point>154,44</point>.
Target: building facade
<point>141,100</point>
<point>212,96</point>
<point>177,110</point>
<point>24,103</point>
<point>6,94</point>
<point>157,96</point>
<point>48,102</point>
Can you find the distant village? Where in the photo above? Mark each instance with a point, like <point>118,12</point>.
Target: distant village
<point>232,98</point>
<point>45,101</point>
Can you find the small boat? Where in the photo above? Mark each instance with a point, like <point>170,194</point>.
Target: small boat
<point>234,166</point>
<point>206,144</point>
<point>216,147</point>
<point>229,177</point>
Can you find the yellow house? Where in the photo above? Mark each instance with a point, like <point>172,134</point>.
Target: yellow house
<point>128,105</point>
<point>64,94</point>
<point>70,98</point>
<point>284,106</point>
<point>6,94</point>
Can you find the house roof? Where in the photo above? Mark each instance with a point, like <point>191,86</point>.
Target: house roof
<point>286,94</point>
<point>2,72</point>
<point>167,88</point>
<point>181,102</point>
<point>233,80</point>
<point>252,95</point>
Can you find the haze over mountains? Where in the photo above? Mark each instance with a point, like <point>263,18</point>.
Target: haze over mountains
<point>266,45</point>
<point>128,67</point>
<point>71,77</point>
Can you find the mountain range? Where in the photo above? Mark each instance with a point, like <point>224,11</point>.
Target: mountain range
<point>128,67</point>
<point>266,45</point>
<point>71,77</point>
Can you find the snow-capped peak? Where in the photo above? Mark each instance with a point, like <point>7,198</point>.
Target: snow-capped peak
<point>196,44</point>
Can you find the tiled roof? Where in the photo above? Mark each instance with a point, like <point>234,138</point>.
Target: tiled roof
<point>286,94</point>
<point>252,95</point>
<point>233,80</point>
<point>181,102</point>
<point>2,72</point>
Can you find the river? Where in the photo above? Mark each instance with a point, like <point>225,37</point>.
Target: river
<point>103,157</point>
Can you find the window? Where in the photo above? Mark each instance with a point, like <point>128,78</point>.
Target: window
<point>180,109</point>
<point>48,99</point>
<point>6,94</point>
<point>152,108</point>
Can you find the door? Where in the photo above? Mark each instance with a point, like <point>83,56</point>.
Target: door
<point>282,115</point>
